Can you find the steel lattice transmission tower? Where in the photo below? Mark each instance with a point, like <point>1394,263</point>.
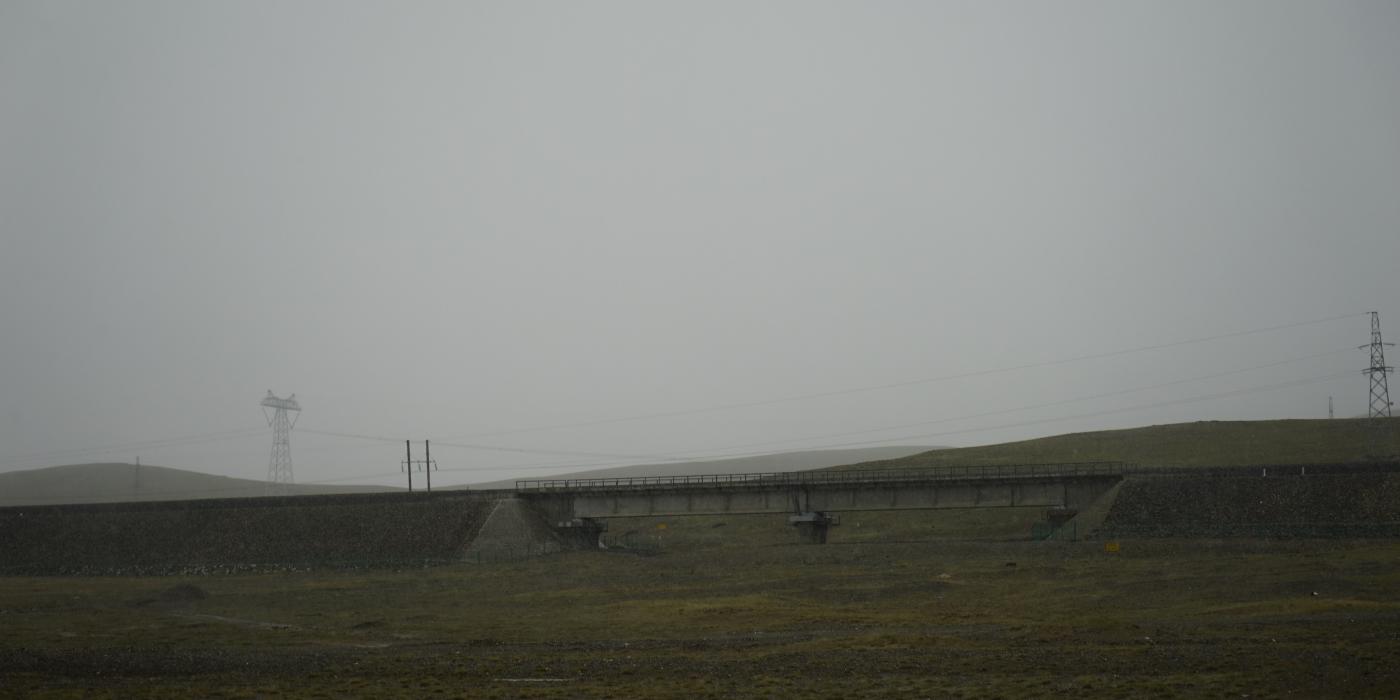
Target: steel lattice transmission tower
<point>1380,386</point>
<point>279,468</point>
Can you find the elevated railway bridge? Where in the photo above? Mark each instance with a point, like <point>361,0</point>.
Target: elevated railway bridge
<point>812,499</point>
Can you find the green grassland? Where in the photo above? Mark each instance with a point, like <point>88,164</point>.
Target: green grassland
<point>970,619</point>
<point>1206,443</point>
<point>119,482</point>
<point>953,603</point>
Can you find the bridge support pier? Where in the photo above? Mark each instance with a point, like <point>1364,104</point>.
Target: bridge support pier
<point>581,533</point>
<point>812,527</point>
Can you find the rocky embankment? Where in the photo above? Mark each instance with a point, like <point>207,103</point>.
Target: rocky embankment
<point>1277,504</point>
<point>239,535</point>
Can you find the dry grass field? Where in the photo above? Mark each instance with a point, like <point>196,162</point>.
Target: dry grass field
<point>950,617</point>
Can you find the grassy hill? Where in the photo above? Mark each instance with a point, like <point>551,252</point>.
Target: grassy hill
<point>782,462</point>
<point>1206,443</point>
<point>116,482</point>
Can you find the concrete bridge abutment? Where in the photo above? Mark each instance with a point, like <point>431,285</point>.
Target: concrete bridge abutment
<point>812,528</point>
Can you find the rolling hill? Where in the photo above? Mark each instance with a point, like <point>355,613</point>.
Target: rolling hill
<point>115,482</point>
<point>1205,443</point>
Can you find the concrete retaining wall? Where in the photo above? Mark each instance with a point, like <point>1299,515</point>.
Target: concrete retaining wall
<point>208,536</point>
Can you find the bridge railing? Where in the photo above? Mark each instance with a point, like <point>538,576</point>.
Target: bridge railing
<point>828,477</point>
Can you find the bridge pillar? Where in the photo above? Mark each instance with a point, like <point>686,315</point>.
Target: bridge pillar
<point>581,533</point>
<point>812,527</point>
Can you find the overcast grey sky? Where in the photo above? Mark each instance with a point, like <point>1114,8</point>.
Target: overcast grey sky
<point>458,220</point>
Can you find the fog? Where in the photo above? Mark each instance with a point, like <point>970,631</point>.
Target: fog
<point>550,236</point>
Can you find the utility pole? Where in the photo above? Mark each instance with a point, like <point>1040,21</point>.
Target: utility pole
<point>1329,408</point>
<point>279,467</point>
<point>1379,406</point>
<point>426,464</point>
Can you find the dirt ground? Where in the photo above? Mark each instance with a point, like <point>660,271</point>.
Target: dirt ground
<point>952,618</point>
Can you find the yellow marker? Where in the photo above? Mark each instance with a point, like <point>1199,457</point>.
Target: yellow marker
<point>1110,546</point>
<point>661,526</point>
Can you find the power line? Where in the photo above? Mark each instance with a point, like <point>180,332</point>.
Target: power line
<point>1193,399</point>
<point>912,382</point>
<point>353,436</point>
<point>717,453</point>
<point>488,448</point>
<point>676,456</point>
<point>1050,404</point>
<point>712,452</point>
<point>1159,404</point>
<point>13,461</point>
<point>562,453</point>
